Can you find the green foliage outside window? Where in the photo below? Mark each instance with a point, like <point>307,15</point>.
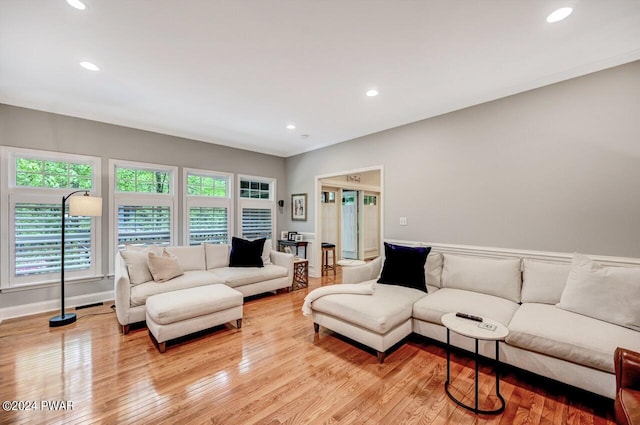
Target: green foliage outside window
<point>53,174</point>
<point>206,186</point>
<point>142,181</point>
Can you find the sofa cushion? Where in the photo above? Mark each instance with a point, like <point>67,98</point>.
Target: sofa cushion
<point>246,253</point>
<point>164,267</point>
<point>217,255</point>
<point>549,330</point>
<point>136,261</point>
<point>190,279</point>
<point>389,306</point>
<point>543,282</point>
<point>447,300</point>
<point>234,276</point>
<point>189,257</point>
<point>404,266</point>
<point>606,293</point>
<point>493,276</point>
<point>433,269</point>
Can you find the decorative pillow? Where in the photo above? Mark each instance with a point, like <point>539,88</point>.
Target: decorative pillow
<point>164,267</point>
<point>189,257</point>
<point>492,276</point>
<point>404,266</point>
<point>266,252</point>
<point>610,294</point>
<point>543,282</point>
<point>217,255</point>
<point>246,253</point>
<point>135,258</point>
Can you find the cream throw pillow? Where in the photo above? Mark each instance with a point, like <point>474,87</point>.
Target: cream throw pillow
<point>135,258</point>
<point>164,267</point>
<point>611,294</point>
<point>266,253</point>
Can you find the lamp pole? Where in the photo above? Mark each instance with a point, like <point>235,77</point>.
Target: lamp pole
<point>64,319</point>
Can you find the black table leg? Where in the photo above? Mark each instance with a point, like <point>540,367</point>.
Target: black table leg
<point>475,408</point>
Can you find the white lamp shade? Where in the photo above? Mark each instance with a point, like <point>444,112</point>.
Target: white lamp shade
<point>85,205</point>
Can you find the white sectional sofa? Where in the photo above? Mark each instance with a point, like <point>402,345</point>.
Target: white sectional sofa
<point>205,264</point>
<point>526,295</point>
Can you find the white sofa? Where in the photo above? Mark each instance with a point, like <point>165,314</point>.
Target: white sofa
<point>543,338</point>
<point>204,264</point>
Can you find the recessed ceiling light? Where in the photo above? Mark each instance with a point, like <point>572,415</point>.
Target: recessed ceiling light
<point>372,93</point>
<point>90,66</point>
<point>291,126</point>
<point>559,15</point>
<point>77,4</point>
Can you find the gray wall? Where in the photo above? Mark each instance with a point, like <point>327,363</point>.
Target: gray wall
<point>554,169</point>
<point>32,129</point>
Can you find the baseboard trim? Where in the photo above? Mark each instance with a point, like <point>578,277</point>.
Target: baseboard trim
<point>53,305</point>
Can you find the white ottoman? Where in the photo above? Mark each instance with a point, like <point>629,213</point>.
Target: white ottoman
<point>178,313</point>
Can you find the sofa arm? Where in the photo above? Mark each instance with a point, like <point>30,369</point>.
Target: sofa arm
<point>627,367</point>
<point>122,290</point>
<point>285,260</point>
<point>358,274</point>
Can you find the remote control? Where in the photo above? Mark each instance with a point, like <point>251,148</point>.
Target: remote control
<point>470,317</point>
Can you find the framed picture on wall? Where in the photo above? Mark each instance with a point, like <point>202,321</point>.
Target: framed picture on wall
<point>299,207</point>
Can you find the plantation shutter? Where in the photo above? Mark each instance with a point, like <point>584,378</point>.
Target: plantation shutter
<point>208,224</point>
<point>38,238</point>
<point>144,225</point>
<point>256,223</point>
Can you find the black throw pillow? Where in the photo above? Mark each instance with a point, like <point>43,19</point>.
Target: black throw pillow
<point>404,266</point>
<point>246,253</point>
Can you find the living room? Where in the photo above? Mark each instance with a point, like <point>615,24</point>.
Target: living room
<point>506,148</point>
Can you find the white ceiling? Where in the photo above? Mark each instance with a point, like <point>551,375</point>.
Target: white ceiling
<point>237,72</point>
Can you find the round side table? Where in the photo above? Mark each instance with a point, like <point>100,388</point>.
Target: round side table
<point>475,330</point>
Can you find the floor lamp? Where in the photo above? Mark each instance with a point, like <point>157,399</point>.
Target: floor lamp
<point>85,205</point>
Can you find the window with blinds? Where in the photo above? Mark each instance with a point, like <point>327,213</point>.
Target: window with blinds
<point>144,205</point>
<point>144,225</point>
<point>38,239</point>
<point>256,223</point>
<point>208,224</point>
<point>33,187</point>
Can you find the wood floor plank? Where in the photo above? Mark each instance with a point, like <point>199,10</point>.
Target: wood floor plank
<point>274,370</point>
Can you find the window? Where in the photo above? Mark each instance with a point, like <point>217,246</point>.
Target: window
<point>143,204</point>
<point>33,187</point>
<point>208,207</point>
<point>257,207</point>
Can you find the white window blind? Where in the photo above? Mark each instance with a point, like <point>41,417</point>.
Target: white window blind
<point>256,223</point>
<point>38,238</point>
<point>208,224</point>
<point>144,225</point>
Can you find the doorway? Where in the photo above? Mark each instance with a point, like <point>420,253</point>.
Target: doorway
<point>362,190</point>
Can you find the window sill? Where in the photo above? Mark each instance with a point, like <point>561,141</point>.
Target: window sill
<point>51,284</point>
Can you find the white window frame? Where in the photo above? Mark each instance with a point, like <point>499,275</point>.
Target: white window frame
<point>258,203</point>
<point>11,194</point>
<point>206,201</point>
<point>136,198</point>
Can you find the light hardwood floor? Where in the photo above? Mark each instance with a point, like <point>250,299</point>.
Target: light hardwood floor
<point>274,370</point>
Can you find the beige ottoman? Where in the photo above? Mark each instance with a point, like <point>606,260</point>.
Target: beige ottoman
<point>179,313</point>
